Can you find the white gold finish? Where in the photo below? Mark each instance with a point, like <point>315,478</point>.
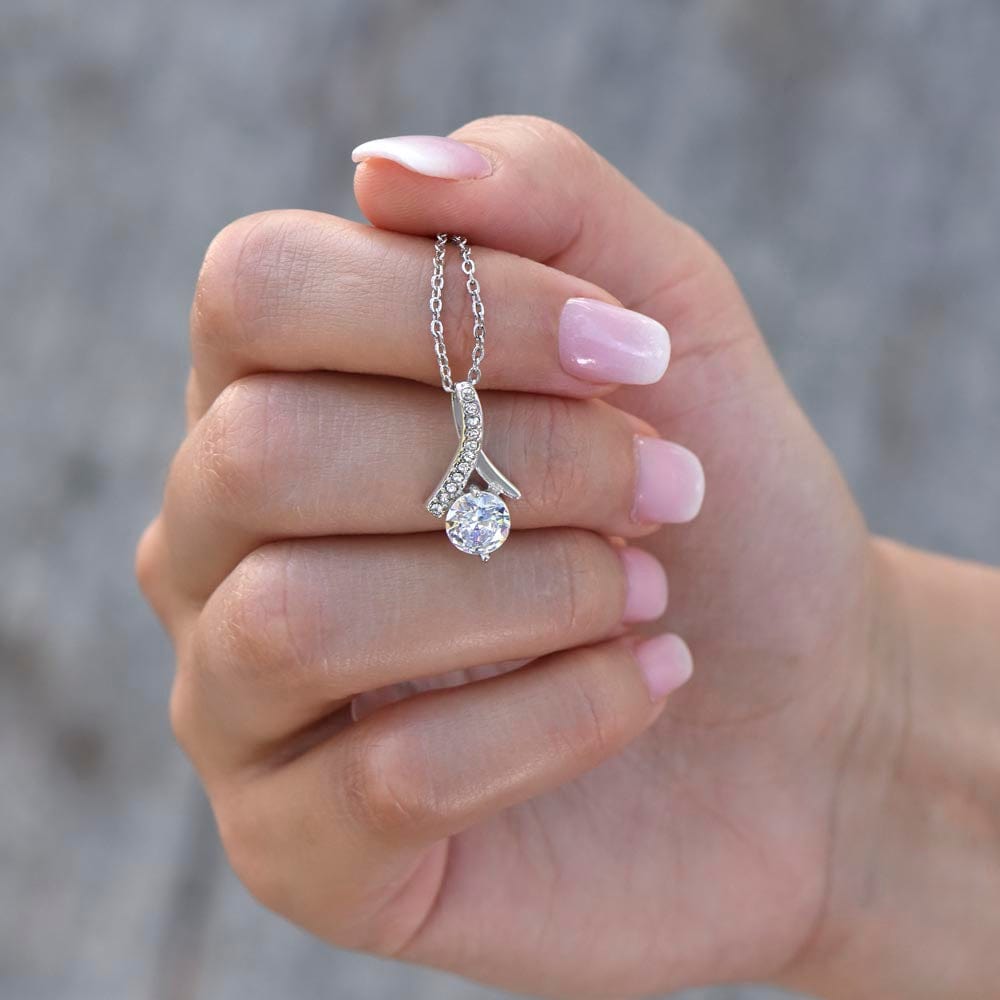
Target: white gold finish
<point>436,303</point>
<point>467,412</point>
<point>478,521</point>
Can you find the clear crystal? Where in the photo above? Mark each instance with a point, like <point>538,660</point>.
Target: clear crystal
<point>478,523</point>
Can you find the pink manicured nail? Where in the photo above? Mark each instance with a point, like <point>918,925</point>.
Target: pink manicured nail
<point>599,342</point>
<point>665,662</point>
<point>646,586</point>
<point>430,155</point>
<point>670,482</point>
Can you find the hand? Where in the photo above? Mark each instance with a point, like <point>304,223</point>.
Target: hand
<point>295,568</point>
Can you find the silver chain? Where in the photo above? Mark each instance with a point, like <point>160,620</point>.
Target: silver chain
<point>436,303</point>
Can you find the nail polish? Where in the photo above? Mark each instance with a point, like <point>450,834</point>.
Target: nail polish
<point>665,662</point>
<point>599,342</point>
<point>670,482</point>
<point>645,586</point>
<point>429,155</point>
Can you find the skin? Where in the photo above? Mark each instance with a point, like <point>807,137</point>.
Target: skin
<point>554,830</point>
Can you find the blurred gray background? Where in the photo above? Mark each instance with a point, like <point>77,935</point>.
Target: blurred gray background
<point>843,155</point>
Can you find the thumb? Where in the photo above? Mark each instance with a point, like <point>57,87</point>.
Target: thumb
<point>534,188</point>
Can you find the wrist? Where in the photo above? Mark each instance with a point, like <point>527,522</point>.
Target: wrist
<point>913,906</point>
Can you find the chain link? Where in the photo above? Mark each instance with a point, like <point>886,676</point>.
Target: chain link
<point>437,303</point>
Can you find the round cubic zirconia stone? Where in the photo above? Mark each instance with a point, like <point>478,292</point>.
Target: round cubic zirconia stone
<point>478,523</point>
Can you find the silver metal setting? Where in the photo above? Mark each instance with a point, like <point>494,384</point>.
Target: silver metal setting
<point>480,525</point>
<point>467,412</point>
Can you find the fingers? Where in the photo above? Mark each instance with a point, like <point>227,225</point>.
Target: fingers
<point>152,560</point>
<point>355,818</point>
<point>299,628</point>
<point>285,456</point>
<point>550,197</point>
<point>547,196</point>
<point>303,291</point>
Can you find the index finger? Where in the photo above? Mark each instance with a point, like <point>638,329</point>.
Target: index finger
<point>304,291</point>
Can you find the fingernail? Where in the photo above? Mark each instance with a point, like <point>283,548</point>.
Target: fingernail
<point>665,662</point>
<point>430,155</point>
<point>646,586</point>
<point>599,342</point>
<point>670,482</point>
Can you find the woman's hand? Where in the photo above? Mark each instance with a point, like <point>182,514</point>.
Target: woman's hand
<point>296,569</point>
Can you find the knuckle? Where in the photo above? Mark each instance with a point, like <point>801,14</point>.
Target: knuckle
<point>580,566</point>
<point>147,565</point>
<point>235,440</point>
<point>544,131</point>
<point>213,314</point>
<point>248,845</point>
<point>598,726</point>
<point>264,627</point>
<point>389,786</point>
<point>242,284</point>
<point>154,576</point>
<point>558,450</point>
<point>553,133</point>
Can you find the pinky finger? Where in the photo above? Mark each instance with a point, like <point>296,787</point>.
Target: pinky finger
<point>366,810</point>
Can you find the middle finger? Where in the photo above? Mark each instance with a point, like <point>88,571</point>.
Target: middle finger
<point>292,456</point>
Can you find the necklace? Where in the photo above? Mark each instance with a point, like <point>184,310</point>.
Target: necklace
<point>477,520</point>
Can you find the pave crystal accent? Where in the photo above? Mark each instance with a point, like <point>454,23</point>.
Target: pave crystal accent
<point>478,523</point>
<point>478,520</point>
<point>470,412</point>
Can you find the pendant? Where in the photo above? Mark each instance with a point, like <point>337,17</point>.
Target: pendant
<point>477,520</point>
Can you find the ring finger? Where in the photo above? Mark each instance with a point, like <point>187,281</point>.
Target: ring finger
<point>301,627</point>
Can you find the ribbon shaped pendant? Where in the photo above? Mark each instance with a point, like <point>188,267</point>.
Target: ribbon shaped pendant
<point>477,521</point>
